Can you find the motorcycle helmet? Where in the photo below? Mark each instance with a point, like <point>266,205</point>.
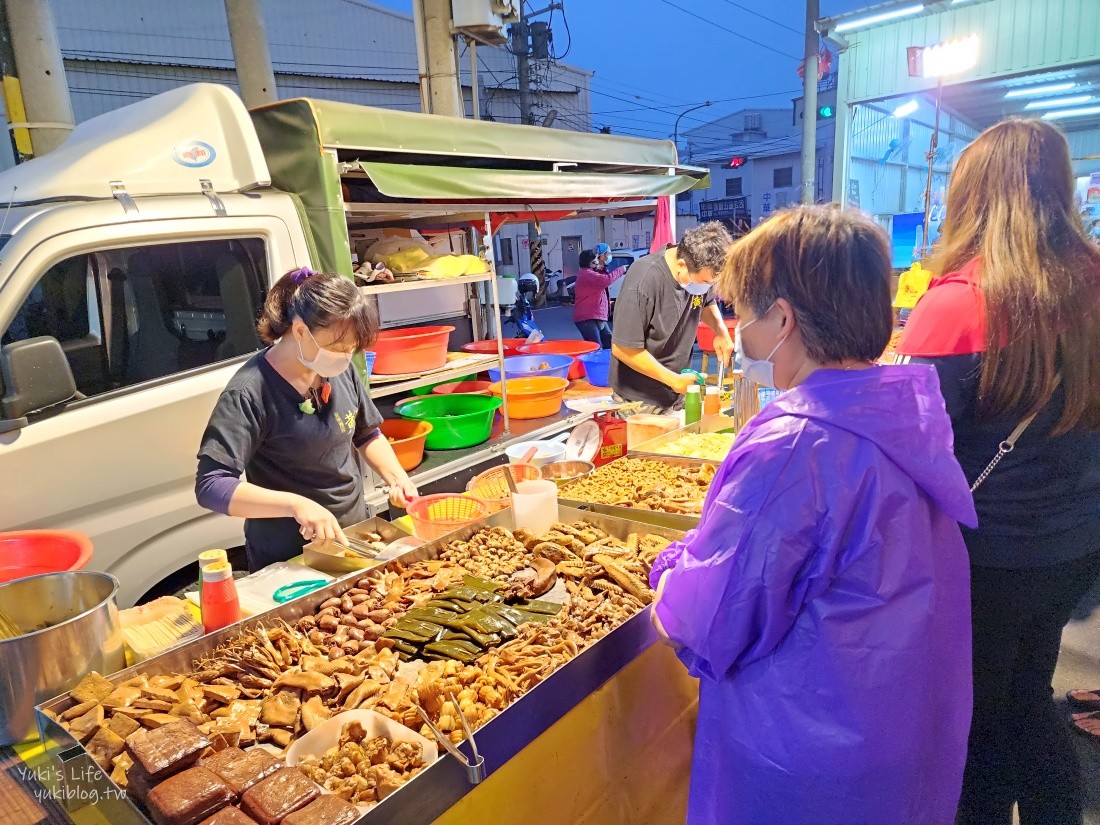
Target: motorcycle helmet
<point>528,283</point>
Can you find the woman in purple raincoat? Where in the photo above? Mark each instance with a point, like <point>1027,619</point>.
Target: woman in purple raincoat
<point>823,601</point>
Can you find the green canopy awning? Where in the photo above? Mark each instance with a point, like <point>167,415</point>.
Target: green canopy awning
<point>461,183</point>
<point>414,158</point>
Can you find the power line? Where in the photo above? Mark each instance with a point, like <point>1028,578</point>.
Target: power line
<point>764,17</point>
<point>730,31</point>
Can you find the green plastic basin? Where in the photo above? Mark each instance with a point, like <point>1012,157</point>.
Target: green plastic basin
<point>458,420</point>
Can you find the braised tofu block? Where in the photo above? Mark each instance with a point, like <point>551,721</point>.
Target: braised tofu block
<point>188,797</point>
<point>92,688</point>
<point>105,746</point>
<point>240,770</point>
<point>138,783</point>
<point>331,810</point>
<point>281,794</point>
<point>168,749</point>
<point>231,816</point>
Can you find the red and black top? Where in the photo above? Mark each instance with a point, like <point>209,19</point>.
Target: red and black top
<point>1041,505</point>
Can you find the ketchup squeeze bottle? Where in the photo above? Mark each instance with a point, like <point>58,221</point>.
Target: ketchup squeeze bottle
<point>218,598</point>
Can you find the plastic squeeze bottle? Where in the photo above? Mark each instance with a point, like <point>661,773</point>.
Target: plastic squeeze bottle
<point>712,404</point>
<point>693,405</point>
<point>207,557</point>
<point>218,598</point>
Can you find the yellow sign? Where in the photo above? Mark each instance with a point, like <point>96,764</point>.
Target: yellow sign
<point>913,283</point>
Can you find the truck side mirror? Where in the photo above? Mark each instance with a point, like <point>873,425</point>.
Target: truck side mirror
<point>36,376</point>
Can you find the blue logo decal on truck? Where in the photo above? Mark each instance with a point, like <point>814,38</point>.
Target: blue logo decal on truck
<point>194,154</point>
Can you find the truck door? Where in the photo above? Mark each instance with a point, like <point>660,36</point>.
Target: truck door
<point>152,330</point>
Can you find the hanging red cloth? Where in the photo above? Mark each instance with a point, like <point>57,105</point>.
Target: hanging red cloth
<point>662,225</point>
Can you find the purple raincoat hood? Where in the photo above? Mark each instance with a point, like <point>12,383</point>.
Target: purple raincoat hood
<point>901,410</point>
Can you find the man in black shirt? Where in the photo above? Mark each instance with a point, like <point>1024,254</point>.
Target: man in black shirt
<point>657,314</point>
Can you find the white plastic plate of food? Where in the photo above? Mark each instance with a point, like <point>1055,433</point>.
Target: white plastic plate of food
<point>324,742</point>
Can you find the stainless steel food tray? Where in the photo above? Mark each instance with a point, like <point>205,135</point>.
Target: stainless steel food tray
<point>320,554</point>
<point>652,518</point>
<point>707,424</point>
<point>441,785</point>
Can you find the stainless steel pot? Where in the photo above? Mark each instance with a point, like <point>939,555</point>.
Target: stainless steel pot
<point>72,628</point>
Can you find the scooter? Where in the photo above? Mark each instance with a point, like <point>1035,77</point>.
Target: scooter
<point>523,314</point>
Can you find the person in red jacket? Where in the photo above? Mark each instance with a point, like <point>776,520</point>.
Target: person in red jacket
<point>1013,327</point>
<point>590,303</point>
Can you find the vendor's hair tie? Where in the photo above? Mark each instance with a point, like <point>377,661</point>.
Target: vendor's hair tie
<point>299,275</point>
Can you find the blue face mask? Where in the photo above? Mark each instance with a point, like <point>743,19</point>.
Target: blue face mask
<point>758,370</point>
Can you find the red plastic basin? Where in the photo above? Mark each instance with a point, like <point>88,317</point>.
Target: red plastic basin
<point>411,350</point>
<point>475,387</point>
<point>705,335</point>
<point>574,348</point>
<point>31,552</point>
<point>511,346</point>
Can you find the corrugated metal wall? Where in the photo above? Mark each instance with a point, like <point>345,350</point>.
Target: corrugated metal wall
<point>889,158</point>
<point>1016,36</point>
<point>117,51</point>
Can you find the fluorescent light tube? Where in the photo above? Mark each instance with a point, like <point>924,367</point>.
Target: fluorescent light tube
<point>1038,91</point>
<point>1062,101</point>
<point>870,20</point>
<point>1061,113</point>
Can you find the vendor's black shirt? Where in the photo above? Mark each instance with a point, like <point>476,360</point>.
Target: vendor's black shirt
<point>653,312</point>
<point>258,428</point>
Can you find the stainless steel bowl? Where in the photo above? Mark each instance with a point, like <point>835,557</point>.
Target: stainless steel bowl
<point>72,628</point>
<point>562,471</point>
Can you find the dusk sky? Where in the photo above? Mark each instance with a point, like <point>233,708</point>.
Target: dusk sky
<point>654,58</point>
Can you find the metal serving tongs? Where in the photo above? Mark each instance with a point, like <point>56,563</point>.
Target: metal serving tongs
<point>475,771</point>
<point>358,547</point>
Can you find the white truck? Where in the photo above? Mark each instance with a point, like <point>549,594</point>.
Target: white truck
<point>135,258</point>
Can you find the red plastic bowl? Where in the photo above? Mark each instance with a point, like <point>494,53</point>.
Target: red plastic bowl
<point>574,348</point>
<point>705,335</point>
<point>411,350</point>
<point>511,346</point>
<point>31,552</point>
<point>475,387</point>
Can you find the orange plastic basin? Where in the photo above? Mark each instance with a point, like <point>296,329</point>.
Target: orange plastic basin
<point>492,488</point>
<point>536,397</point>
<point>574,348</point>
<point>704,336</point>
<point>511,346</point>
<point>410,350</point>
<point>474,387</point>
<point>32,552</point>
<point>407,438</point>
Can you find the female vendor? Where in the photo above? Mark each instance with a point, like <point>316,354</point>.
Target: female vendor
<point>299,424</point>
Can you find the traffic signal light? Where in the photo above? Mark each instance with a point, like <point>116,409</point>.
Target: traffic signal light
<point>737,161</point>
<point>826,112</point>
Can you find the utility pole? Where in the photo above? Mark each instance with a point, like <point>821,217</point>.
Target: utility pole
<point>809,105</point>
<point>521,48</point>
<point>41,74</point>
<point>444,87</point>
<point>251,57</point>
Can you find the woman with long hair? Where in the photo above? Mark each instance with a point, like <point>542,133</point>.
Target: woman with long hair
<point>1013,326</point>
<point>299,424</point>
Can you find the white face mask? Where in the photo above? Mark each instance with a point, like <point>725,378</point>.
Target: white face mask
<point>762,370</point>
<point>327,364</point>
<point>692,288</point>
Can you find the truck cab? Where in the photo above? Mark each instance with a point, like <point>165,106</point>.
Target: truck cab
<point>123,314</point>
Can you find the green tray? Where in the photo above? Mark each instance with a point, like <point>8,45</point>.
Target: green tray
<point>457,421</point>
